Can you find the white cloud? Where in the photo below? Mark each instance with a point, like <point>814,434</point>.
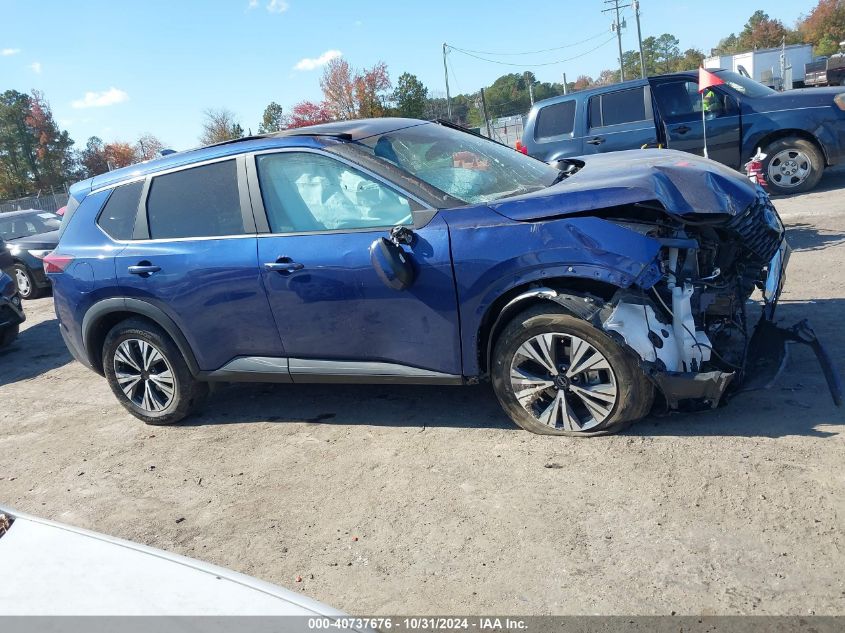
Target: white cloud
<point>101,99</point>
<point>6,52</point>
<point>252,4</point>
<point>277,6</point>
<point>310,63</point>
<point>35,67</point>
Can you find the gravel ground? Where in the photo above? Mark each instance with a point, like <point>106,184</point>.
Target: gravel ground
<point>398,500</point>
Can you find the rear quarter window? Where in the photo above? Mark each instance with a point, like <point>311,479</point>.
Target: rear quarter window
<point>555,120</point>
<point>117,218</point>
<point>195,202</point>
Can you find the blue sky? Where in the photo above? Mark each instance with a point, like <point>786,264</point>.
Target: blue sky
<point>118,69</point>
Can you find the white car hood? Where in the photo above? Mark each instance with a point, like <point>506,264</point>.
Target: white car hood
<point>54,569</point>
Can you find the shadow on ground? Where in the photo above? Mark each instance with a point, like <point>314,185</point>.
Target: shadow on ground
<point>793,406</point>
<point>807,237</point>
<point>37,350</point>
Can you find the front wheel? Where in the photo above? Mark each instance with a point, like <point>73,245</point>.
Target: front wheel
<point>555,374</point>
<point>792,165</point>
<point>149,376</point>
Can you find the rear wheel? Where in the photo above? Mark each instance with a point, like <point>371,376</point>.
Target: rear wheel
<point>792,165</point>
<point>149,376</point>
<point>555,374</point>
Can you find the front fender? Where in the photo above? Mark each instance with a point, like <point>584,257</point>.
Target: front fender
<point>493,256</point>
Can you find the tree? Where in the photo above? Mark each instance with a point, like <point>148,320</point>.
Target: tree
<point>220,125</point>
<point>370,90</point>
<point>273,119</point>
<point>338,86</point>
<point>761,31</point>
<point>148,147</point>
<point>308,113</point>
<point>824,27</point>
<point>410,96</point>
<point>583,82</point>
<point>352,94</point>
<point>119,154</point>
<point>93,157</point>
<point>690,60</point>
<point>666,52</point>
<point>727,45</point>
<point>34,152</point>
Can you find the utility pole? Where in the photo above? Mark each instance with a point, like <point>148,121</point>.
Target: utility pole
<point>565,89</point>
<point>636,5</point>
<point>446,74</point>
<point>484,113</point>
<point>531,92</point>
<point>617,26</point>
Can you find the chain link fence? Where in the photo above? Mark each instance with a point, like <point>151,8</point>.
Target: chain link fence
<point>52,201</point>
<point>507,130</point>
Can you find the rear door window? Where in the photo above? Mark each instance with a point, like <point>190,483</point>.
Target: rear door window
<point>555,120</point>
<point>196,202</point>
<point>615,108</point>
<point>117,218</point>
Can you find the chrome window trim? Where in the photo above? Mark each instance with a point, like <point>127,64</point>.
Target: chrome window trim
<point>420,217</point>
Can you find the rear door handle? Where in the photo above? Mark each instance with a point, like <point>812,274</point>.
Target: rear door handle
<point>284,265</point>
<point>681,129</point>
<point>143,270</point>
<point>597,140</point>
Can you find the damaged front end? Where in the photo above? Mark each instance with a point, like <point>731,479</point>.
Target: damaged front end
<point>692,330</point>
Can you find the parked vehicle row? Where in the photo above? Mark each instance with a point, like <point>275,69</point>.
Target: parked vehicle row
<point>401,251</point>
<point>800,131</point>
<point>30,235</point>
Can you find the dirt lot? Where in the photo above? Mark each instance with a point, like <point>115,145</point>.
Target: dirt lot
<point>733,511</point>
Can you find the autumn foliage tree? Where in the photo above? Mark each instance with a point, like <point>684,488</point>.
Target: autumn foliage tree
<point>308,113</point>
<point>824,26</point>
<point>354,94</point>
<point>220,125</point>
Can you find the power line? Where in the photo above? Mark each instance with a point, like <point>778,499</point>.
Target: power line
<point>545,50</point>
<point>559,61</point>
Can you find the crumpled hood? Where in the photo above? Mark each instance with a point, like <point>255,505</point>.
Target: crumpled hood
<point>683,183</point>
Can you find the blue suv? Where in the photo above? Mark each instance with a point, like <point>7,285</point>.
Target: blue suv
<point>404,251</point>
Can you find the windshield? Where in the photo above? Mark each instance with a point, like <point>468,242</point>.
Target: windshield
<point>27,224</point>
<point>744,85</point>
<point>467,167</point>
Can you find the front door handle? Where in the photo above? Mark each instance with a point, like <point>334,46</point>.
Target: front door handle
<point>144,270</point>
<point>284,265</point>
<point>681,129</point>
<point>596,140</point>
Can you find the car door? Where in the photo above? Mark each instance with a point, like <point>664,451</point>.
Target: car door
<point>680,104</point>
<point>619,120</point>
<point>193,256</point>
<point>336,318</point>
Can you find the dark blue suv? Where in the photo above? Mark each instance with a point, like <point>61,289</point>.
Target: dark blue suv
<point>403,251</point>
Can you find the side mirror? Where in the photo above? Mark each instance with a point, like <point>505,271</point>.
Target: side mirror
<point>392,264</point>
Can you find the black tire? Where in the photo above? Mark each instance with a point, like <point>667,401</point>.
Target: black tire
<point>805,156</point>
<point>8,335</point>
<point>188,394</point>
<point>29,290</point>
<point>634,392</point>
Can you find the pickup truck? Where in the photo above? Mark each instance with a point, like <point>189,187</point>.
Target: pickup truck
<point>800,131</point>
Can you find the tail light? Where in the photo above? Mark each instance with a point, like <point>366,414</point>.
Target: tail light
<point>55,263</point>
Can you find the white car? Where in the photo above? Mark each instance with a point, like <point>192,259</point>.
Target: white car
<point>55,569</point>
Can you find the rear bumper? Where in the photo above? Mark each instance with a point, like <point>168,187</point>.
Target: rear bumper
<point>74,349</point>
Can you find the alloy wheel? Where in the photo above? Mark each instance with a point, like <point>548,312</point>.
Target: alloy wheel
<point>24,284</point>
<point>563,382</point>
<point>789,168</point>
<point>144,375</point>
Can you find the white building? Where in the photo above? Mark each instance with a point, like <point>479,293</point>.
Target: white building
<point>764,65</point>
